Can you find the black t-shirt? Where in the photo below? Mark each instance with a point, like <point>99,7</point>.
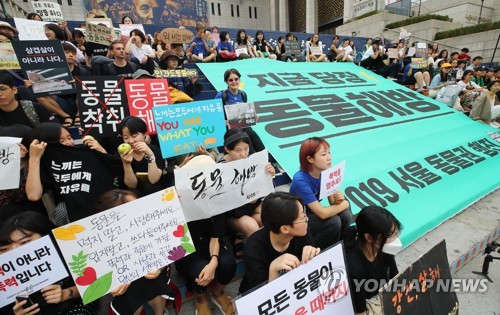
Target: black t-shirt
<point>125,71</point>
<point>93,49</point>
<point>19,117</point>
<point>203,230</point>
<point>382,268</point>
<point>259,254</point>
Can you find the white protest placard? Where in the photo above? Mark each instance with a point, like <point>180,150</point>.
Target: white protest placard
<point>331,179</point>
<point>29,268</point>
<point>213,190</point>
<point>48,11</point>
<point>393,53</point>
<point>316,50</point>
<point>240,115</point>
<point>125,29</point>
<point>318,287</point>
<point>31,29</point>
<point>10,162</point>
<point>404,34</point>
<point>240,51</point>
<point>124,243</point>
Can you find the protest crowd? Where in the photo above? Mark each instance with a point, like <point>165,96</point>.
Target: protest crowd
<point>271,235</point>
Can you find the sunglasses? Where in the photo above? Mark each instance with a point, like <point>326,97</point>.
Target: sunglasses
<point>233,80</point>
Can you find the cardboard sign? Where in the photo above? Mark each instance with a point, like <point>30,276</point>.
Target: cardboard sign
<point>29,268</point>
<point>331,179</point>
<point>240,115</point>
<point>98,34</point>
<point>181,128</point>
<point>179,73</point>
<point>122,244</point>
<point>421,50</point>
<point>176,35</point>
<point>292,48</point>
<point>44,63</point>
<point>48,11</point>
<point>425,287</point>
<point>392,53</point>
<point>8,58</point>
<point>143,94</point>
<point>315,50</point>
<point>213,190</point>
<point>318,287</point>
<point>419,63</point>
<point>102,103</point>
<point>31,29</point>
<point>10,162</point>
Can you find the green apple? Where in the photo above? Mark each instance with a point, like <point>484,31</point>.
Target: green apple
<point>87,138</point>
<point>124,148</point>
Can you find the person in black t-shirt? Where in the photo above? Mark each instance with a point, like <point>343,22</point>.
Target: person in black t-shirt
<point>370,250</point>
<point>120,66</point>
<point>13,112</point>
<point>68,103</point>
<point>282,245</point>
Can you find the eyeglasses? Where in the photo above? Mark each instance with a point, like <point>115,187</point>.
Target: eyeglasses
<point>233,80</point>
<point>305,215</point>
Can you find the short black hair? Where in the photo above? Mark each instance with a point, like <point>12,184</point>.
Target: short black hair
<point>7,79</point>
<point>57,30</point>
<point>126,16</point>
<point>453,53</point>
<point>138,33</point>
<point>77,33</point>
<point>27,222</point>
<point>233,131</point>
<point>465,50</point>
<point>47,132</point>
<point>228,73</point>
<point>69,47</point>
<point>477,58</point>
<point>490,85</point>
<point>133,124</point>
<point>222,36</point>
<point>32,15</point>
<point>277,210</point>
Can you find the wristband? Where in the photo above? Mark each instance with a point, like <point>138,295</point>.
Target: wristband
<point>150,158</point>
<point>217,256</point>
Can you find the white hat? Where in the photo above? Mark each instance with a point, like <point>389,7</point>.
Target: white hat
<point>199,162</point>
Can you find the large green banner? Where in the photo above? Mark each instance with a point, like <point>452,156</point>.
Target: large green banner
<point>404,151</point>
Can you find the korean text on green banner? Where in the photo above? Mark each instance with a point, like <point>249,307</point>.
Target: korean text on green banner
<point>122,244</point>
<point>44,63</point>
<point>405,151</point>
<point>318,287</point>
<point>181,128</point>
<point>426,287</point>
<point>143,94</point>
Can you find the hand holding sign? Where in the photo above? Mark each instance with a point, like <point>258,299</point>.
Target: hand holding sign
<point>331,179</point>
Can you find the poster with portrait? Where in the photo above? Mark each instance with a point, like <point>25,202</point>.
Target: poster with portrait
<point>44,63</point>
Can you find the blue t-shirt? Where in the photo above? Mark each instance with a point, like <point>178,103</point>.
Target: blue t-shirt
<point>231,98</point>
<point>200,47</point>
<point>225,46</point>
<point>306,187</point>
<point>436,81</point>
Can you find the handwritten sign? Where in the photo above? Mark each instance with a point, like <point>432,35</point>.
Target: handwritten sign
<point>316,50</point>
<point>293,48</point>
<point>143,94</point>
<point>48,11</point>
<point>125,30</point>
<point>181,128</point>
<point>426,287</point>
<point>8,59</point>
<point>10,162</point>
<point>124,243</point>
<point>176,35</point>
<point>98,34</point>
<point>179,73</point>
<point>318,287</point>
<point>31,29</point>
<point>393,53</point>
<point>102,103</point>
<point>29,268</point>
<point>44,63</point>
<point>216,189</point>
<point>331,179</point>
<point>240,115</point>
<point>419,63</point>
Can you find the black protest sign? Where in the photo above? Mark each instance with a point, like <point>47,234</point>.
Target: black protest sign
<point>293,48</point>
<point>102,102</point>
<point>45,66</point>
<point>426,287</point>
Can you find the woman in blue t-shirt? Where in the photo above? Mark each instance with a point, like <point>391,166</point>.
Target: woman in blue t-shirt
<point>326,223</point>
<point>225,49</point>
<point>233,95</point>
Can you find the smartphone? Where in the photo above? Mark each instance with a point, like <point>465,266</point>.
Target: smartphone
<point>75,133</point>
<point>27,298</point>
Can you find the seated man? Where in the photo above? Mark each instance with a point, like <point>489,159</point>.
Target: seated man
<point>120,66</point>
<point>198,50</point>
<point>373,59</point>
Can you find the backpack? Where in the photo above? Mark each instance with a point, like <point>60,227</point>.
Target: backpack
<point>224,97</point>
<point>29,110</point>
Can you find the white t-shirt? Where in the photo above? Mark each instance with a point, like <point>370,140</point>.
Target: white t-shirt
<point>140,52</point>
<point>367,54</point>
<point>464,85</point>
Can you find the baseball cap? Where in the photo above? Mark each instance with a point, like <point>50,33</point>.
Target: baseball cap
<point>446,65</point>
<point>480,68</point>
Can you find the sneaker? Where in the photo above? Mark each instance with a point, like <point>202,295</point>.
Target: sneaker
<point>224,303</point>
<point>202,308</point>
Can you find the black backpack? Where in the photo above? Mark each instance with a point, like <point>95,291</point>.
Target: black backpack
<point>224,97</point>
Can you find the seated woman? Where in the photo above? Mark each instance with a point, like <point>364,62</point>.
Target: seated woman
<point>261,48</point>
<point>487,107</point>
<point>326,224</point>
<point>244,219</point>
<point>370,251</point>
<point>470,91</point>
<point>152,289</point>
<point>143,164</point>
<point>225,50</point>
<point>242,46</point>
<point>14,201</point>
<point>440,80</point>
<point>282,245</point>
<point>315,45</point>
<point>61,297</point>
<point>139,51</point>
